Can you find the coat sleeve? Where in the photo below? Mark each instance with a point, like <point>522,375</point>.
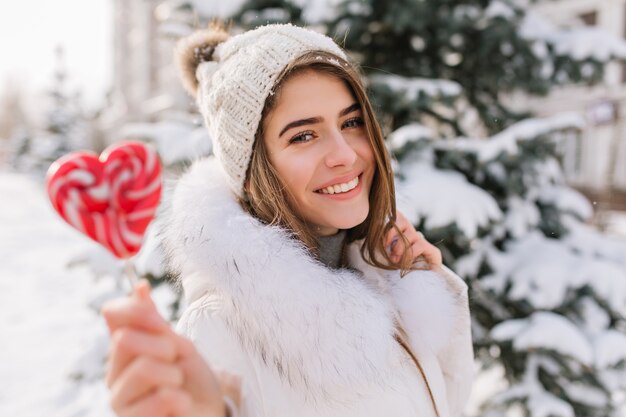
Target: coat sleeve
<point>457,357</point>
<point>202,324</point>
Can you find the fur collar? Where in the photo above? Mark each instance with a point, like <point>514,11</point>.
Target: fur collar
<point>296,314</point>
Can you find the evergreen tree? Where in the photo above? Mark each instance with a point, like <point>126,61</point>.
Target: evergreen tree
<point>65,128</point>
<point>65,119</point>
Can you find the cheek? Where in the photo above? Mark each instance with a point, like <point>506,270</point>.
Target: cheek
<point>296,172</point>
<point>366,152</point>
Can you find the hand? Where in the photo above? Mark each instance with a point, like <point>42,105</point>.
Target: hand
<point>152,371</point>
<point>420,248</point>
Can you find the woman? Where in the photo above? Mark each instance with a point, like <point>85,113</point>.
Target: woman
<point>301,282</point>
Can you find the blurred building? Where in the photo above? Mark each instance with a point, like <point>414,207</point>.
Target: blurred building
<point>595,162</point>
<point>145,84</point>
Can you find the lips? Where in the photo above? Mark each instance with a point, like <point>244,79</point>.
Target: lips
<point>341,184</point>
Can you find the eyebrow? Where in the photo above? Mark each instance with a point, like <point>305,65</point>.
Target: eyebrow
<point>313,120</point>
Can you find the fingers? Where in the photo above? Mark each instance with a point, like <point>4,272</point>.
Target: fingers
<point>403,225</point>
<point>142,290</point>
<point>143,375</point>
<point>134,312</point>
<point>164,402</point>
<point>430,253</point>
<point>402,222</point>
<point>184,346</point>
<point>128,344</point>
<point>418,245</point>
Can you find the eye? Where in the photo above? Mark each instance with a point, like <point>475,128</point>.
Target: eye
<point>302,137</point>
<point>354,122</point>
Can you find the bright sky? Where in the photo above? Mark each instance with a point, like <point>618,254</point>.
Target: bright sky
<point>30,30</point>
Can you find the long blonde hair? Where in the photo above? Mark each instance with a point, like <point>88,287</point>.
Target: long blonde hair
<point>266,196</point>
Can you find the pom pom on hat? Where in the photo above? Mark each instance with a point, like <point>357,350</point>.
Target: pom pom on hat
<point>195,49</point>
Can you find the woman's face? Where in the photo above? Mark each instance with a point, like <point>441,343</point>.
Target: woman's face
<point>317,142</point>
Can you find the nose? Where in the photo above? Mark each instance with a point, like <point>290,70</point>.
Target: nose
<point>340,151</point>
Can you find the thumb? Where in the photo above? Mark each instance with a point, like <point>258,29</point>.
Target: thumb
<point>137,310</point>
<point>142,291</point>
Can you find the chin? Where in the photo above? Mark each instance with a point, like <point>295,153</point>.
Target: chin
<point>349,221</point>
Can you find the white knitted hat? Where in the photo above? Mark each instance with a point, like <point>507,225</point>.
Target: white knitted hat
<point>234,76</point>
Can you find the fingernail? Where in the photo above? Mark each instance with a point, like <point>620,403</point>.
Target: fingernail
<point>142,289</point>
<point>392,244</point>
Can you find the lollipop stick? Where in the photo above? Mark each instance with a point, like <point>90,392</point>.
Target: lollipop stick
<point>130,273</point>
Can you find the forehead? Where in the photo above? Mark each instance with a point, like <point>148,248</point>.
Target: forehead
<point>313,90</point>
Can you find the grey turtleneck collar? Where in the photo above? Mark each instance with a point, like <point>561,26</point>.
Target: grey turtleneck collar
<point>330,248</point>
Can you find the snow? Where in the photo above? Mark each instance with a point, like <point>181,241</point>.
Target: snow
<point>567,199</point>
<point>540,50</point>
<point>546,330</point>
<point>555,269</point>
<point>418,43</point>
<point>444,198</point>
<point>539,401</point>
<point>487,382</point>
<point>585,394</point>
<point>42,304</point>
<point>506,142</point>
<point>221,9</point>
<point>49,304</point>
<point>317,11</point>
<point>544,404</point>
<point>272,14</point>
<point>411,88</point>
<point>468,266</point>
<point>522,216</point>
<point>149,259</point>
<point>607,279</point>
<point>616,223</point>
<point>175,141</point>
<point>466,11</point>
<point>407,134</point>
<point>578,43</point>
<point>594,319</point>
<point>359,8</point>
<point>589,242</point>
<point>610,349</point>
<point>499,9</point>
<point>313,12</point>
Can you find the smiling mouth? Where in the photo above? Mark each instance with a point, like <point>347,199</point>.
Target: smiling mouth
<point>340,188</point>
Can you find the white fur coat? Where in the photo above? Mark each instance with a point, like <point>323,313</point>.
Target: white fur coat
<point>308,340</point>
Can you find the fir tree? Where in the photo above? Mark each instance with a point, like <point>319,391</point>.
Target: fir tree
<point>65,127</point>
<point>65,118</point>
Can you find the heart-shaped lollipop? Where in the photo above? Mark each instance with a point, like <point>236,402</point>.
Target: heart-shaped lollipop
<point>111,198</point>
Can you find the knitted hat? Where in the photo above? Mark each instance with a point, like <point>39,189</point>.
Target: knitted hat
<point>231,79</point>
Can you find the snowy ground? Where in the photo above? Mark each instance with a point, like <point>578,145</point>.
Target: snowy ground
<point>45,322</point>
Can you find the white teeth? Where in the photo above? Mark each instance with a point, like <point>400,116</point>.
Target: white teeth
<point>340,188</point>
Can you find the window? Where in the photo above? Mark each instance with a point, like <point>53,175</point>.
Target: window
<point>589,19</point>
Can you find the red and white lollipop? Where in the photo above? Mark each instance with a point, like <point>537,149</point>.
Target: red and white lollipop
<point>111,198</point>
